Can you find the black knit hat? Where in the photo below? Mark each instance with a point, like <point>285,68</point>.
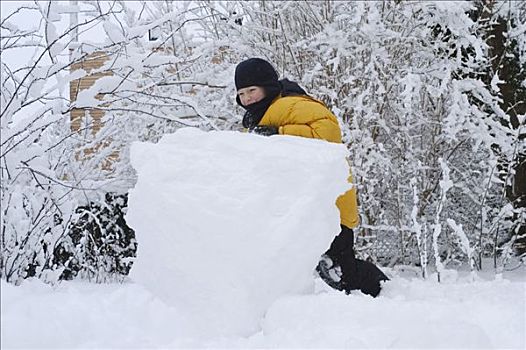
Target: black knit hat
<point>255,72</point>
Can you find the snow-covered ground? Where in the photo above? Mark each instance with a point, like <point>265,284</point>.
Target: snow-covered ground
<point>230,227</point>
<point>409,313</point>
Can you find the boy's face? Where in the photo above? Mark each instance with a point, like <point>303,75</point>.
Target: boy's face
<point>250,95</point>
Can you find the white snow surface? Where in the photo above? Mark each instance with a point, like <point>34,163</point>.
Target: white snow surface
<point>230,227</point>
<point>410,313</point>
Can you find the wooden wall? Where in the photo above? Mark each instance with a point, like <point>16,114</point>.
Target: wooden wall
<point>91,64</point>
<point>93,61</point>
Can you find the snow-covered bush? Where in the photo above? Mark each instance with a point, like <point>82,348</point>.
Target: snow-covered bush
<point>100,245</point>
<point>44,176</point>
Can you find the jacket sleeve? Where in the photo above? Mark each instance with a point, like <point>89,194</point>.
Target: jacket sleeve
<point>324,129</point>
<point>310,118</point>
<point>303,116</point>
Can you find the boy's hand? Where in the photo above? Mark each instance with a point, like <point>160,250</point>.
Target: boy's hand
<point>265,130</point>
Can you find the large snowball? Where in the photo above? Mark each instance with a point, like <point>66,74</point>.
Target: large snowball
<point>228,222</point>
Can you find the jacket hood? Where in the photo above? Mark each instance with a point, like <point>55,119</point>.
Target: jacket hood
<point>291,88</point>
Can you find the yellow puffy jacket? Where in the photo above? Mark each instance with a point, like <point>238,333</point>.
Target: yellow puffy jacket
<point>308,117</point>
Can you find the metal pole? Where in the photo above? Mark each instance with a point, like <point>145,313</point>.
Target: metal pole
<point>74,21</point>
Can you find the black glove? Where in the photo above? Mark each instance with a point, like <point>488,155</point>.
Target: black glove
<point>265,130</point>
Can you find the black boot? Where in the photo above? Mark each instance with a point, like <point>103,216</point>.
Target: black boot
<point>329,272</point>
<point>328,267</point>
<point>362,275</point>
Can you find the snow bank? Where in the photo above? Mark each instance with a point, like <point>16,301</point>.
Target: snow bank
<point>229,222</point>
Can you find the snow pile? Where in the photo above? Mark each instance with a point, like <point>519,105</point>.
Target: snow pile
<point>229,222</point>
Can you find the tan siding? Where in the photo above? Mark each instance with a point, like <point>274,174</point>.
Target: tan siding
<point>93,61</point>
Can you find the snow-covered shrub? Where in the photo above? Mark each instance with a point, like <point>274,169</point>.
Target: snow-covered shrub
<point>42,180</point>
<point>99,246</point>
